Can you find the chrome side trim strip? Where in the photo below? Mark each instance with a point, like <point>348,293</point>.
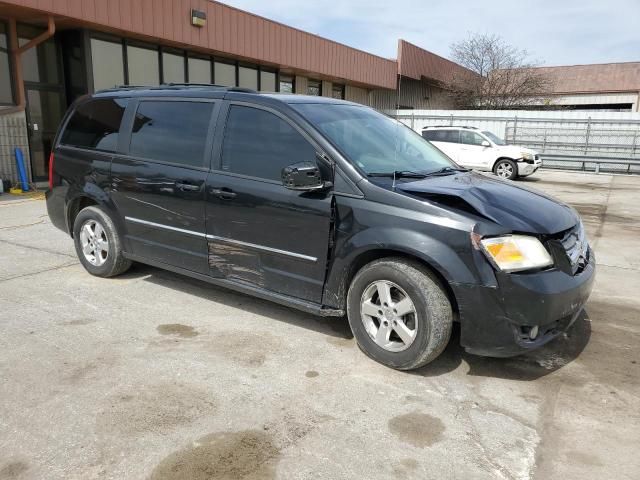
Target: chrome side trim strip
<point>223,239</point>
<point>165,227</point>
<point>263,248</point>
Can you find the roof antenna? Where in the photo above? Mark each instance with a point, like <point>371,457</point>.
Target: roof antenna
<point>395,158</point>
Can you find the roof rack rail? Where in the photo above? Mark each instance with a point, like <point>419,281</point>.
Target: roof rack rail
<point>178,85</point>
<point>450,126</point>
<point>241,90</point>
<point>223,87</point>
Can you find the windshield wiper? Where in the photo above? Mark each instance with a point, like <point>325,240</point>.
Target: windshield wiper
<point>446,171</point>
<point>398,174</point>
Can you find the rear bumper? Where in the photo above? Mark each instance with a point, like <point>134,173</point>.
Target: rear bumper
<point>498,321</point>
<point>56,207</point>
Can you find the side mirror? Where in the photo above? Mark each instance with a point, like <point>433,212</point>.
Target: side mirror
<point>485,143</point>
<point>303,176</point>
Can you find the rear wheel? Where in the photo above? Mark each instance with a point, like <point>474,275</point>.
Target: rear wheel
<point>399,313</point>
<point>98,243</point>
<point>506,168</point>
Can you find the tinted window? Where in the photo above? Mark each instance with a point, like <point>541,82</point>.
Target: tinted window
<point>224,74</point>
<point>95,125</point>
<point>470,138</point>
<point>199,70</point>
<point>267,81</point>
<point>144,66</point>
<point>107,64</point>
<point>248,78</point>
<point>450,136</point>
<point>314,87</point>
<point>286,84</point>
<point>172,68</point>
<point>171,131</point>
<point>6,92</point>
<point>260,144</point>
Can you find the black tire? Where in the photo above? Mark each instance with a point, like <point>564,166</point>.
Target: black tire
<point>506,165</point>
<point>114,262</point>
<point>432,307</point>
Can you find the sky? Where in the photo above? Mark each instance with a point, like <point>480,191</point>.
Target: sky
<point>554,32</point>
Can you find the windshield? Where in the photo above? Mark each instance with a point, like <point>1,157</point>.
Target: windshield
<point>494,138</point>
<point>372,141</point>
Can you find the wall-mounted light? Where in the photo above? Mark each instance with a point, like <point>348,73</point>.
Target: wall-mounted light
<point>198,18</point>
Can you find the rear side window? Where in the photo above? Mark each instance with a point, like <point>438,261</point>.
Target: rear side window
<point>260,144</point>
<point>450,136</point>
<point>173,132</point>
<point>95,124</point>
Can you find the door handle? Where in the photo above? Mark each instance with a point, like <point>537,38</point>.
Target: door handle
<point>187,187</point>
<point>223,193</point>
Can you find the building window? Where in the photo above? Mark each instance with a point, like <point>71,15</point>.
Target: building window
<point>174,132</point>
<point>6,90</point>
<point>107,64</point>
<point>286,84</point>
<point>172,67</point>
<point>248,77</point>
<point>337,91</point>
<point>143,66</point>
<point>267,81</point>
<point>224,74</point>
<point>314,87</point>
<point>199,70</point>
<point>39,64</point>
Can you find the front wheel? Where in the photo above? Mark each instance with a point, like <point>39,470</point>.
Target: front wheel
<point>506,168</point>
<point>399,313</point>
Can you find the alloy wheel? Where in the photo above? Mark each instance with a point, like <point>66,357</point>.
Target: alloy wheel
<point>94,242</point>
<point>504,170</point>
<point>389,316</point>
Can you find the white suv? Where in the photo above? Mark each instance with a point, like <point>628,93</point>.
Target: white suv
<point>482,150</point>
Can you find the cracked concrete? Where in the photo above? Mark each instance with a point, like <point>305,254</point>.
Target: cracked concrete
<point>152,375</point>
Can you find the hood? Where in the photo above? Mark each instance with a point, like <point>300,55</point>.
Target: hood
<point>513,151</point>
<point>521,209</point>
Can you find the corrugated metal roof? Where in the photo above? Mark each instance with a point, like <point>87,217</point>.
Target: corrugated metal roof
<point>596,78</point>
<point>228,30</point>
<point>415,62</point>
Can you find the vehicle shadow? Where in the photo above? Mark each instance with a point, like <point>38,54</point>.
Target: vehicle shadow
<point>526,367</point>
<point>529,179</point>
<point>332,326</point>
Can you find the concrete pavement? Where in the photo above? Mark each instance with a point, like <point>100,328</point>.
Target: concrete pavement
<point>152,375</point>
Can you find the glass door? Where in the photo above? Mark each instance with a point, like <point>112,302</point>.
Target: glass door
<point>44,88</point>
<point>45,109</point>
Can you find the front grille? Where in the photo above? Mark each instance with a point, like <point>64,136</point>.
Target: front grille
<point>576,247</point>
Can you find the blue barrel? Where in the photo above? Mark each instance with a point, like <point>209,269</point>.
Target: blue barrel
<point>22,171</point>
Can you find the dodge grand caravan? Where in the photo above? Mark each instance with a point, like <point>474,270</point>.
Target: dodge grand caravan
<point>322,205</point>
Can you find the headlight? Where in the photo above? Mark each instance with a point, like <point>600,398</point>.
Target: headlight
<point>513,253</point>
<point>526,155</point>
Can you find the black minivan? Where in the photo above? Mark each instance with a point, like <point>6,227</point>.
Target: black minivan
<point>322,205</point>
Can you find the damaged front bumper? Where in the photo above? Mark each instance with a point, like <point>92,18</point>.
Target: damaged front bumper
<point>501,321</point>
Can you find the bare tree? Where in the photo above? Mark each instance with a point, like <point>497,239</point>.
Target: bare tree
<point>499,76</point>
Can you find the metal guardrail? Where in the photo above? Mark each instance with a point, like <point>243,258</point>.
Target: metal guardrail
<point>591,164</point>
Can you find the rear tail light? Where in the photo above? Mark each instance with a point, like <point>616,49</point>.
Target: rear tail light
<point>51,171</point>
